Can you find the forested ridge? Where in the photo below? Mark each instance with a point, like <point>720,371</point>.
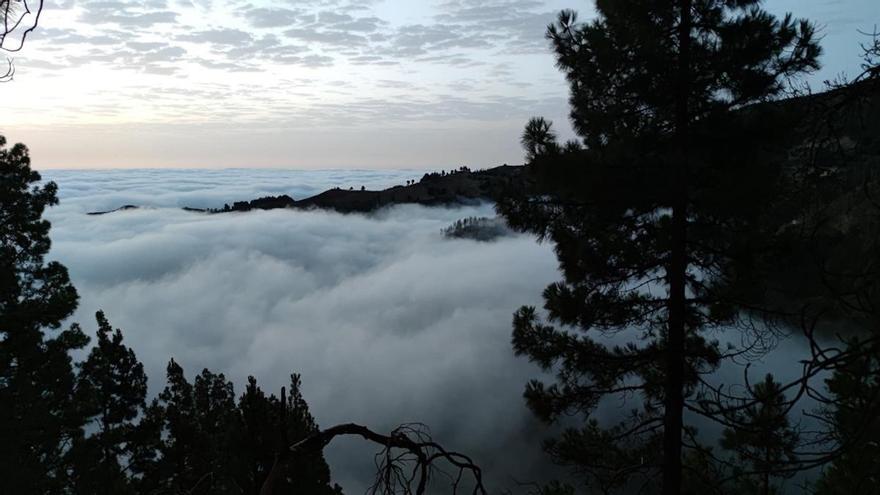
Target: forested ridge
<point>844,125</point>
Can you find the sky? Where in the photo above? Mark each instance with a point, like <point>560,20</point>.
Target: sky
<point>310,84</point>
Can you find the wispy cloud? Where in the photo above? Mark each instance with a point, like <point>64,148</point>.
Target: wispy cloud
<point>91,61</point>
<point>211,43</point>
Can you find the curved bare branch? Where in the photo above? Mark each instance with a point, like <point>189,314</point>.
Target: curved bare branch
<point>408,445</point>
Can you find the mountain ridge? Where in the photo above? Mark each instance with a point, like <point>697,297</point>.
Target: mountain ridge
<point>457,187</point>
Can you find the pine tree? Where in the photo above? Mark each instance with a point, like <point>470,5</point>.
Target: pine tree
<point>310,475</point>
<point>856,426</point>
<point>145,454</point>
<point>112,385</point>
<point>258,442</point>
<point>200,425</point>
<point>179,467</point>
<point>38,415</point>
<point>266,431</point>
<point>764,440</point>
<point>218,429</point>
<point>206,443</point>
<point>652,213</point>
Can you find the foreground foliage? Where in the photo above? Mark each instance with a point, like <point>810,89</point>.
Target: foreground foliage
<point>654,213</point>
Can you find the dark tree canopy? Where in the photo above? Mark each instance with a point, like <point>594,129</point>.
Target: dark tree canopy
<point>32,291</point>
<point>763,439</point>
<point>654,213</point>
<point>856,386</point>
<point>111,391</point>
<point>207,442</point>
<point>38,413</point>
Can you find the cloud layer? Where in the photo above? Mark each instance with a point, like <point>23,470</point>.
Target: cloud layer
<point>387,321</point>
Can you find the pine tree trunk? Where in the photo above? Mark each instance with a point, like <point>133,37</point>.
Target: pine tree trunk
<point>674,400</point>
<point>676,274</point>
<point>766,477</point>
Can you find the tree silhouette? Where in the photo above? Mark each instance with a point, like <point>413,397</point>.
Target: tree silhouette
<point>763,440</point>
<point>179,467</point>
<point>38,413</point>
<point>652,213</point>
<point>830,268</point>
<point>409,457</point>
<point>205,442</point>
<point>853,276</point>
<point>856,388</point>
<point>112,387</point>
<point>271,424</point>
<point>198,424</point>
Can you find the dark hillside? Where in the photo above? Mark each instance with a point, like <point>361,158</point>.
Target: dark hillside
<point>456,187</point>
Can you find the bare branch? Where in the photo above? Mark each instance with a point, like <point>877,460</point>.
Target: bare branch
<point>20,18</point>
<point>406,445</point>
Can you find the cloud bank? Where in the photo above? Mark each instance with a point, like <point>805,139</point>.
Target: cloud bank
<point>387,321</point>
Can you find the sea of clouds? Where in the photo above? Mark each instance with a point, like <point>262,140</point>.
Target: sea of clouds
<point>387,321</point>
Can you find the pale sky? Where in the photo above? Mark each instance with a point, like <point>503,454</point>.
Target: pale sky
<point>310,83</point>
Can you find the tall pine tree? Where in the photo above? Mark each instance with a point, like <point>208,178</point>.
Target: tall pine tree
<point>38,413</point>
<point>183,456</point>
<point>855,388</point>
<point>652,212</point>
<point>112,389</point>
<point>764,440</point>
<point>271,426</point>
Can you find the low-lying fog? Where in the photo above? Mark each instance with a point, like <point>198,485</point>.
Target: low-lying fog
<point>387,321</point>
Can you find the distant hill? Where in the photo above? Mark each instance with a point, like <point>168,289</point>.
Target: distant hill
<point>121,208</point>
<point>837,128</point>
<point>456,187</point>
<point>460,186</point>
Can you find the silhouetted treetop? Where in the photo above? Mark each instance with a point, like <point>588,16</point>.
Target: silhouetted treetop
<point>624,72</point>
<point>39,415</point>
<point>653,213</point>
